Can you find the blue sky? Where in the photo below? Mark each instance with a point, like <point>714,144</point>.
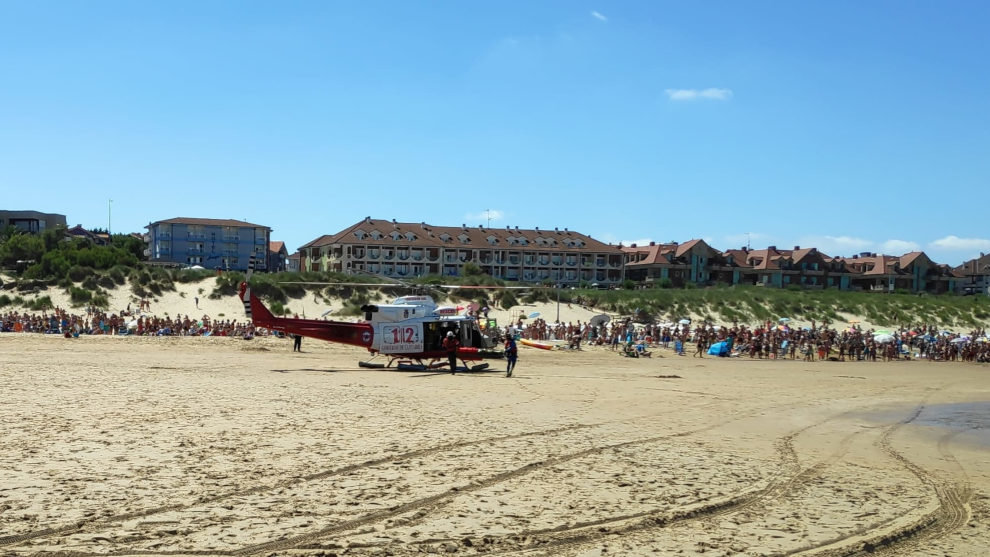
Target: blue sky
<point>847,125</point>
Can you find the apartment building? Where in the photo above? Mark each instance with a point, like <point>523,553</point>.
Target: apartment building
<point>32,222</point>
<point>209,243</point>
<point>974,275</point>
<point>398,250</point>
<point>691,262</point>
<point>697,262</point>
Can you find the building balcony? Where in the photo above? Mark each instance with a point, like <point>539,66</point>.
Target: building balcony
<point>195,237</point>
<point>261,241</point>
<point>164,237</point>
<point>195,251</point>
<point>234,239</point>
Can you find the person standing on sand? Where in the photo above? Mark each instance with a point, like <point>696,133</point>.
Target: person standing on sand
<point>511,354</point>
<point>297,343</point>
<point>451,344</point>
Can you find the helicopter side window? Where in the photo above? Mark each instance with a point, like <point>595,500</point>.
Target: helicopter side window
<point>468,334</point>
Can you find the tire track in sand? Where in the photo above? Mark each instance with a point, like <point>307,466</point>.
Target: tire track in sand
<point>785,449</point>
<point>85,524</point>
<point>790,477</point>
<point>208,499</point>
<point>951,513</point>
<point>428,501</point>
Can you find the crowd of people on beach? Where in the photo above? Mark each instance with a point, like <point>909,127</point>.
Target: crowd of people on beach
<point>767,341</point>
<point>98,322</point>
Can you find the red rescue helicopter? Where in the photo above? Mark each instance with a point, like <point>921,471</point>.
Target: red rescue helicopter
<point>409,331</point>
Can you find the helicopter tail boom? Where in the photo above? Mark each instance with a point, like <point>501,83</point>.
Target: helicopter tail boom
<point>356,334</point>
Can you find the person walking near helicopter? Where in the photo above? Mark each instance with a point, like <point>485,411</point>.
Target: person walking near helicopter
<point>511,354</point>
<point>451,344</point>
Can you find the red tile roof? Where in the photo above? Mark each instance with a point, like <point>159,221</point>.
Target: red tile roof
<point>428,235</point>
<point>208,222</point>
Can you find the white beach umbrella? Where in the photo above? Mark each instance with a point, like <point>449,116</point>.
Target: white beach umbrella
<point>884,338</point>
<point>685,321</point>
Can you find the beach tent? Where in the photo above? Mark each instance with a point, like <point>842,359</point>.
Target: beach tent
<point>719,349</point>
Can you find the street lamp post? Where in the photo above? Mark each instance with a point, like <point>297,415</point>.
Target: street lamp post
<point>558,303</point>
<point>109,201</point>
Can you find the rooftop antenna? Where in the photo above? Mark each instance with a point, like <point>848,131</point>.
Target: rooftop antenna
<point>488,212</point>
<point>747,242</point>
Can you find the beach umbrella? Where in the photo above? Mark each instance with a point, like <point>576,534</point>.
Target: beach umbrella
<point>534,315</point>
<point>784,320</point>
<point>882,333</point>
<point>599,320</point>
<point>959,340</point>
<point>884,338</point>
<point>685,321</point>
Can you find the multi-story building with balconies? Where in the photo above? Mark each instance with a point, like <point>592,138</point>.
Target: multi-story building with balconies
<point>209,243</point>
<point>401,250</point>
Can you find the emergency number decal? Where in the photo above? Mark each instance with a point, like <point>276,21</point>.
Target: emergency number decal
<point>402,338</point>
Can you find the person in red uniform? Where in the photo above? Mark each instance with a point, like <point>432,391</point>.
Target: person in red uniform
<point>451,344</point>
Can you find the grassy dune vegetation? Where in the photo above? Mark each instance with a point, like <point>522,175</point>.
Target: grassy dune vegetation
<point>749,304</point>
<point>35,263</point>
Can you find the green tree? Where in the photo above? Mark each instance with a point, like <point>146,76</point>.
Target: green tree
<point>471,269</point>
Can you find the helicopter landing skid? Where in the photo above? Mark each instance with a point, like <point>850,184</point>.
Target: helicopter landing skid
<point>371,364</point>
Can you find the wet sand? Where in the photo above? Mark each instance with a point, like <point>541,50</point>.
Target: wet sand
<point>229,447</point>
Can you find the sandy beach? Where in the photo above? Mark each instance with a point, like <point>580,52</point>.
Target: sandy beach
<point>218,446</point>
